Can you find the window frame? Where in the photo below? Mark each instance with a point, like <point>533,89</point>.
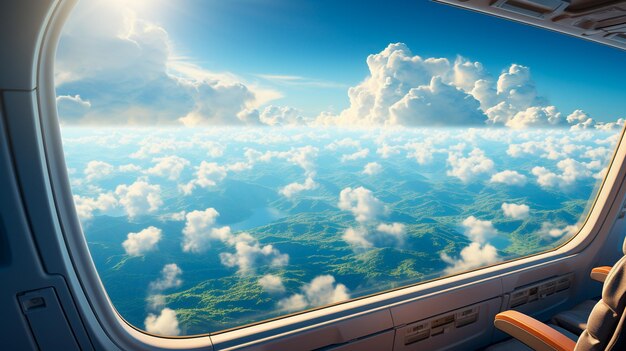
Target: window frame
<point>110,329</point>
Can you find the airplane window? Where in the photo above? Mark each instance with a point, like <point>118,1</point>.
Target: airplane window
<point>234,161</point>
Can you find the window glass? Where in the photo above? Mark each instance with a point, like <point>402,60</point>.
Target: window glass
<point>233,161</point>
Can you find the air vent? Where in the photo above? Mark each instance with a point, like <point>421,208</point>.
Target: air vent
<point>533,8</point>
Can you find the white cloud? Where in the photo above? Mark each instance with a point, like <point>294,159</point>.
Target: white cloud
<point>550,230</point>
<point>322,290</point>
<point>406,89</point>
<point>170,167</point>
<point>395,229</point>
<point>357,237</point>
<point>281,115</point>
<point>381,235</point>
<point>118,65</point>
<point>356,155</point>
<point>86,206</point>
<point>165,323</point>
<point>422,152</point>
<point>175,216</point>
<point>470,167</point>
<point>304,157</point>
<point>250,254</point>
<point>98,170</point>
<point>571,171</point>
<point>138,244</point>
<point>343,143</point>
<point>436,104</point>
<point>508,177</point>
<point>200,230</point>
<point>208,174</point>
<point>362,203</point>
<point>372,168</point>
<point>473,256</point>
<point>535,116</point>
<point>129,168</point>
<point>580,120</point>
<point>72,107</point>
<point>479,231</point>
<point>515,211</point>
<point>608,126</point>
<point>294,188</point>
<point>170,278</point>
<point>386,151</point>
<point>272,283</point>
<point>139,198</point>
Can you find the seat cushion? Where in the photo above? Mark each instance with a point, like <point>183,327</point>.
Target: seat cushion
<point>516,345</point>
<point>575,320</point>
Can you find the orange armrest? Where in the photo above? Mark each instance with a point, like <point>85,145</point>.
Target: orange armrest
<point>599,273</point>
<point>532,332</point>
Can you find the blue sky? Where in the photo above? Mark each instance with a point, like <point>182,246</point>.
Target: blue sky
<point>304,56</point>
<point>329,40</point>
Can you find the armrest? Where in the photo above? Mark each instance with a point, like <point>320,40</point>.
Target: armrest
<point>599,273</point>
<point>532,332</point>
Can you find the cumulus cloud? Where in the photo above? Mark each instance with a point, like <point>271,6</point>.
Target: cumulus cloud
<point>535,116</point>
<point>322,290</point>
<point>169,167</point>
<point>409,90</point>
<point>86,206</point>
<point>362,203</point>
<point>200,230</point>
<point>281,115</point>
<point>436,104</point>
<point>422,152</point>
<point>356,155</point>
<point>208,174</point>
<point>473,256</point>
<point>357,237</point>
<point>304,157</point>
<point>478,230</point>
<point>383,234</point>
<point>386,151</point>
<point>165,323</point>
<point>344,143</point>
<point>372,168</point>
<point>515,211</point>
<point>294,188</point>
<point>98,170</point>
<point>72,107</point>
<point>395,229</point>
<point>249,254</point>
<point>120,67</point>
<point>551,230</point>
<point>580,120</point>
<point>170,278</point>
<point>272,284</point>
<point>139,198</point>
<point>509,177</point>
<point>138,244</point>
<point>470,167</point>
<point>403,89</point>
<point>570,171</point>
<point>608,126</point>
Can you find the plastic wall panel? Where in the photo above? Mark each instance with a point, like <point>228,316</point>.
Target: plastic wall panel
<point>468,337</point>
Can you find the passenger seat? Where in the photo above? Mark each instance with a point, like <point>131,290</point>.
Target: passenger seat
<point>575,320</point>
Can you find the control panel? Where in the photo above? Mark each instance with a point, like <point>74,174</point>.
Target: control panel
<point>442,324</point>
<point>543,290</point>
